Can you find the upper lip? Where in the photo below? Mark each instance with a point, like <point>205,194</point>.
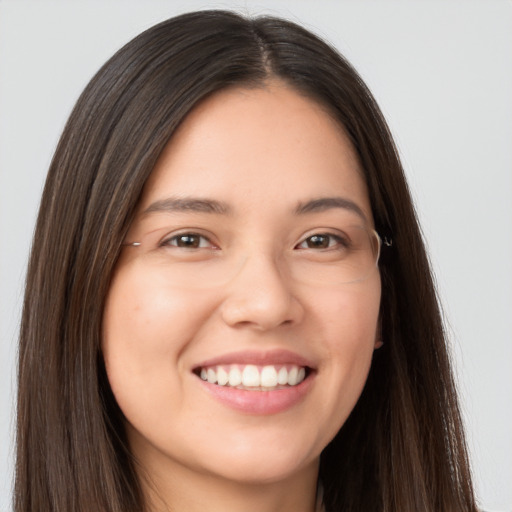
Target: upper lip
<point>260,358</point>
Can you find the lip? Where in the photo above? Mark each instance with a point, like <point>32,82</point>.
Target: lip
<point>259,402</point>
<point>258,358</point>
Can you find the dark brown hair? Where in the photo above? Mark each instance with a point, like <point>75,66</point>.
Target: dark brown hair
<point>402,448</point>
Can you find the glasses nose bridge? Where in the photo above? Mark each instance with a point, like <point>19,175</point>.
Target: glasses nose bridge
<point>257,263</point>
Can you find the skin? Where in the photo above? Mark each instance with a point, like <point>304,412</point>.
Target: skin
<point>261,151</point>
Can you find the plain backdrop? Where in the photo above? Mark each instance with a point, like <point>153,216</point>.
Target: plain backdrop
<point>442,73</point>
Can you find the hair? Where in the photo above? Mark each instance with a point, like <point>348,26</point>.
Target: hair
<point>402,448</point>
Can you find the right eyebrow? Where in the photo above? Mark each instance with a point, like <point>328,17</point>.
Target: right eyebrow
<point>188,204</point>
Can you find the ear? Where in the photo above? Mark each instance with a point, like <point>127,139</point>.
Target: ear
<point>378,336</point>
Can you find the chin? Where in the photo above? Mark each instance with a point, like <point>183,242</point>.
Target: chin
<point>254,471</point>
<point>261,461</point>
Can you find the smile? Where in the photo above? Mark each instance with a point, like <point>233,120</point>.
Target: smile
<point>257,383</point>
<point>253,377</point>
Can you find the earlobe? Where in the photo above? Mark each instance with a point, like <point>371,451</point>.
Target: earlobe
<point>378,344</point>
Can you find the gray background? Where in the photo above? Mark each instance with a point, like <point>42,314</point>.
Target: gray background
<point>442,73</point>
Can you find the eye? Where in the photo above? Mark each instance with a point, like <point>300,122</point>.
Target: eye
<point>188,241</point>
<point>323,241</point>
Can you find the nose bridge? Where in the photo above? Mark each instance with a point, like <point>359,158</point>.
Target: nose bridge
<point>261,292</point>
<point>260,264</point>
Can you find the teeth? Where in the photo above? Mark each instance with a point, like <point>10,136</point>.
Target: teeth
<point>282,376</point>
<point>254,377</point>
<point>251,376</point>
<point>211,376</point>
<point>222,376</point>
<point>268,377</point>
<point>292,376</point>
<point>235,376</point>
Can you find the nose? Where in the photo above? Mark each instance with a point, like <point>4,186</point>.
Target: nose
<point>261,296</point>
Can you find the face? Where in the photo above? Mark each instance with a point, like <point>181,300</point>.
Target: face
<point>233,344</point>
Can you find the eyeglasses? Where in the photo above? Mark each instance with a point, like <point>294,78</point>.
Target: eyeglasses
<point>190,260</point>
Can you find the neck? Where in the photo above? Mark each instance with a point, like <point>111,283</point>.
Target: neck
<point>183,490</point>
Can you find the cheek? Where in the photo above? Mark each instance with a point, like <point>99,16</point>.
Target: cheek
<point>350,316</point>
<point>144,314</point>
<point>146,326</point>
<point>350,327</point>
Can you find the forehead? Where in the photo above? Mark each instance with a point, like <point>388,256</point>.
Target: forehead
<point>258,146</point>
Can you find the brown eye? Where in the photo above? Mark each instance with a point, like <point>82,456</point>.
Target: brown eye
<point>320,241</point>
<point>188,241</point>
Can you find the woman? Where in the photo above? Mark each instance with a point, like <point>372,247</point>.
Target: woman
<point>205,323</point>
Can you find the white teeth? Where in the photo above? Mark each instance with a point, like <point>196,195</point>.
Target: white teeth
<point>211,375</point>
<point>268,377</point>
<point>292,376</point>
<point>222,376</point>
<point>282,376</point>
<point>235,376</point>
<point>252,376</point>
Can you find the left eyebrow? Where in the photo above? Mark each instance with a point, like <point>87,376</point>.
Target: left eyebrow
<point>327,203</point>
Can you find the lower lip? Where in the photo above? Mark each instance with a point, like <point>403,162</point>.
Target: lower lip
<point>260,402</point>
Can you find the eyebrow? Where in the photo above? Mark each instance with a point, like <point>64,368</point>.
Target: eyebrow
<point>327,203</point>
<point>203,205</point>
<point>188,204</point>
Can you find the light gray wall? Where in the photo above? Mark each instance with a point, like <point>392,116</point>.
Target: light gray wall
<point>442,72</point>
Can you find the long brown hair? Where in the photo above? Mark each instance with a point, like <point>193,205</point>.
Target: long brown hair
<point>402,448</point>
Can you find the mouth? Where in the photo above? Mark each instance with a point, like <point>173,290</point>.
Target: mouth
<point>253,377</point>
<point>257,383</point>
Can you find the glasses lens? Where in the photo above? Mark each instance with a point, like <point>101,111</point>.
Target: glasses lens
<point>349,256</point>
<point>324,259</point>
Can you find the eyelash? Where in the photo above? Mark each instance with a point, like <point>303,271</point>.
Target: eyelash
<point>339,241</point>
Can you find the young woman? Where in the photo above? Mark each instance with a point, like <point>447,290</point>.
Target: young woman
<point>228,301</point>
